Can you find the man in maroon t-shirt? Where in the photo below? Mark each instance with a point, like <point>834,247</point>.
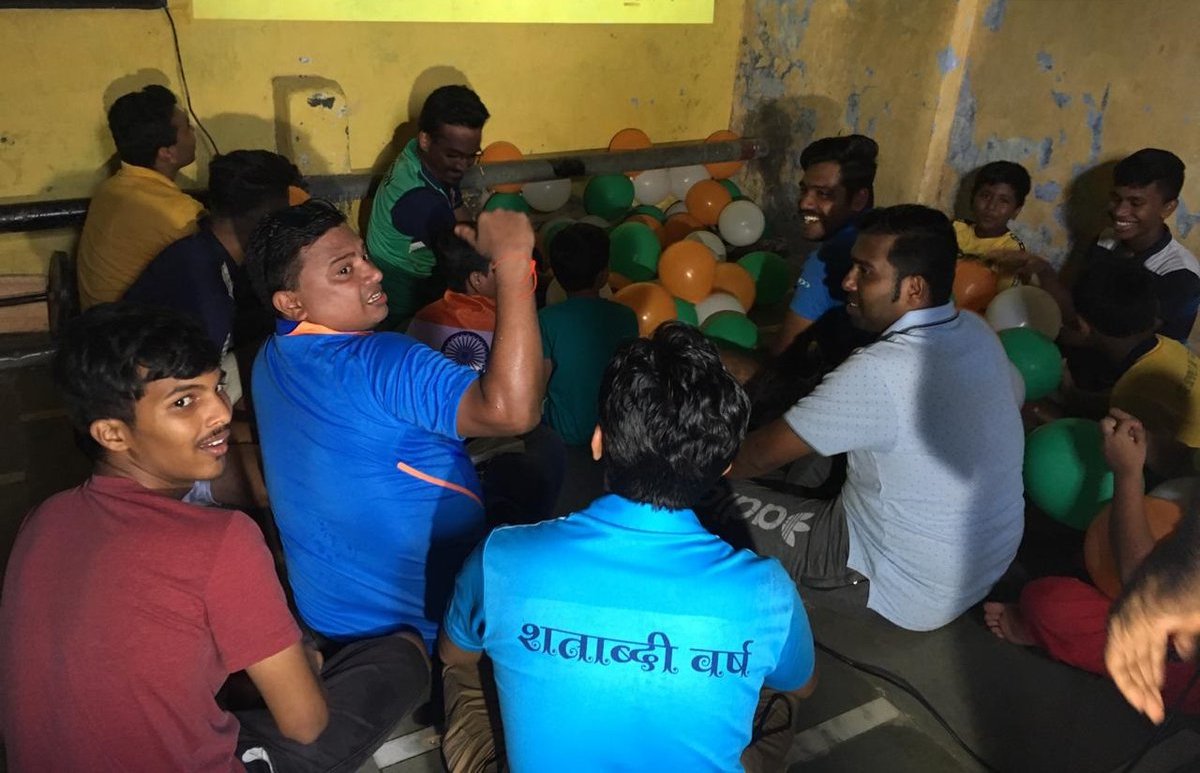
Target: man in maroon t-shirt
<point>126,608</point>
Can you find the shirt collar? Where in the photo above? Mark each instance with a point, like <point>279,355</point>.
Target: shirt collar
<point>1138,352</point>
<point>1157,247</point>
<point>132,170</point>
<point>932,315</point>
<point>616,510</point>
<point>287,327</point>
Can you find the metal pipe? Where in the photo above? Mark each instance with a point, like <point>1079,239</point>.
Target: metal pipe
<point>344,188</point>
<point>592,162</point>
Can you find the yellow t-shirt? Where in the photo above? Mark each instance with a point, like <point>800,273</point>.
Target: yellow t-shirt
<point>133,216</point>
<point>1162,388</point>
<point>970,244</point>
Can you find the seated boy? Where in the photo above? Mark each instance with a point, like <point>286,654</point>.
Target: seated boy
<point>1067,617</point>
<point>626,636</point>
<point>201,275</point>
<point>997,196</point>
<point>580,335</point>
<point>461,324</point>
<point>125,608</point>
<point>376,500</point>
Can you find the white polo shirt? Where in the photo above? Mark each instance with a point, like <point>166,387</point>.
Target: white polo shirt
<point>933,496</point>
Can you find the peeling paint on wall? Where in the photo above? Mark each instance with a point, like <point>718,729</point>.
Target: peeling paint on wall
<point>1047,191</point>
<point>993,18</point>
<point>1095,121</point>
<point>1060,99</point>
<point>1045,61</point>
<point>852,110</point>
<point>1185,220</point>
<point>947,60</point>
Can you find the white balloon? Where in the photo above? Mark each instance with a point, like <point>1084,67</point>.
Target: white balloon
<point>717,302</point>
<point>1179,490</point>
<point>684,177</point>
<point>741,223</point>
<point>651,186</point>
<point>1025,306</point>
<point>1018,383</point>
<point>556,294</point>
<point>594,220</point>
<point>676,208</point>
<point>709,240</point>
<point>548,195</point>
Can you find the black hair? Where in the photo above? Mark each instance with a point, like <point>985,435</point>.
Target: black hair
<point>246,184</point>
<point>457,260</point>
<point>1151,165</point>
<point>856,155</point>
<point>1115,298</point>
<point>107,355</point>
<point>672,418</point>
<point>578,256</point>
<point>140,122</point>
<point>1007,173</point>
<point>272,256</point>
<point>925,246</point>
<point>452,105</point>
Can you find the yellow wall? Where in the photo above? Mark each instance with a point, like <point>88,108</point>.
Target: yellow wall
<point>549,88</point>
<point>1064,87</point>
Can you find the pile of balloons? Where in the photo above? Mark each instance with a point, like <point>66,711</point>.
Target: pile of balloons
<point>1027,319</point>
<point>670,232</point>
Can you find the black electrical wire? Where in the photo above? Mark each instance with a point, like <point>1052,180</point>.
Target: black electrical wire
<point>187,94</point>
<point>903,684</point>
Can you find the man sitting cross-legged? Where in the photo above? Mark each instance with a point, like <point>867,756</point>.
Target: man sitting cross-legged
<point>376,500</point>
<point>931,511</point>
<point>125,608</point>
<point>626,636</point>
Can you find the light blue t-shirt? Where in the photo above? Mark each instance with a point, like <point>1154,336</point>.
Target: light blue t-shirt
<point>819,288</point>
<point>376,500</point>
<point>625,637</point>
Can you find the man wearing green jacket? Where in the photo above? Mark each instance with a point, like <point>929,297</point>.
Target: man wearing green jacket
<point>419,198</point>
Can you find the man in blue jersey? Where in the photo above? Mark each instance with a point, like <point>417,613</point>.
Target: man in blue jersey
<point>626,635</point>
<point>376,500</point>
<point>837,188</point>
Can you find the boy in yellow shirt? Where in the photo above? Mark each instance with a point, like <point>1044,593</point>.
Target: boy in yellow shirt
<point>997,196</point>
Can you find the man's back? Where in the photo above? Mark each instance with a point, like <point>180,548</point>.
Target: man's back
<point>376,500</point>
<point>124,611</point>
<point>628,637</point>
<point>133,216</point>
<point>580,335</point>
<point>934,492</point>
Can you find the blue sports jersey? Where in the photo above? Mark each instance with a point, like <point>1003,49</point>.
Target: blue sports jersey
<point>376,500</point>
<point>819,287</point>
<point>625,637</point>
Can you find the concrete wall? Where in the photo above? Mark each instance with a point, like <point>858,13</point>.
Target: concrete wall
<point>1065,87</point>
<point>549,87</point>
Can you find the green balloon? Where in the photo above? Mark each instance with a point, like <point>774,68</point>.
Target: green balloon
<point>514,201</point>
<point>770,274</point>
<point>1065,472</point>
<point>734,191</point>
<point>686,312</point>
<point>608,195</point>
<point>651,210</point>
<point>731,327</point>
<point>1037,359</point>
<point>633,251</point>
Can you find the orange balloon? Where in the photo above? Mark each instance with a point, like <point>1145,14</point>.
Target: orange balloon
<point>678,226</point>
<point>650,302</point>
<point>687,269</point>
<point>974,286</point>
<point>1162,516</point>
<point>706,199</point>
<point>630,139</point>
<point>735,280</point>
<point>618,281</point>
<point>502,151</point>
<point>723,169</point>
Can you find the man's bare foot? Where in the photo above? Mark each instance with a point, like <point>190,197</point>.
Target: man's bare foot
<point>1005,621</point>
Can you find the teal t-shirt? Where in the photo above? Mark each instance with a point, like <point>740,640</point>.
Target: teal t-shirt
<point>580,335</point>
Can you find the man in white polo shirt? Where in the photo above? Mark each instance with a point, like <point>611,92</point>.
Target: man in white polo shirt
<point>932,510</point>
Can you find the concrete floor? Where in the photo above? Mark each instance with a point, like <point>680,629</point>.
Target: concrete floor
<point>1017,710</point>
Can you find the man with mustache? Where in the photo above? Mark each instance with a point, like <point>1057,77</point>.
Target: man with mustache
<point>835,192</point>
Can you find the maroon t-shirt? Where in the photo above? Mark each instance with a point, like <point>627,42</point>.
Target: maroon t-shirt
<point>123,613</point>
